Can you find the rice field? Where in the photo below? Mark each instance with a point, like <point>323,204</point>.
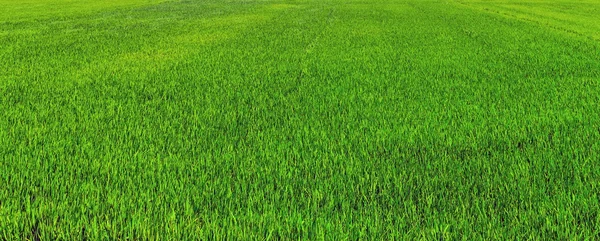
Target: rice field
<point>299,120</point>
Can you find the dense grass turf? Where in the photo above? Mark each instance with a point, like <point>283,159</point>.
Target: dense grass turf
<point>329,119</point>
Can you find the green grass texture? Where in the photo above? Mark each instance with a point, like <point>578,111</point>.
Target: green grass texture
<point>299,120</point>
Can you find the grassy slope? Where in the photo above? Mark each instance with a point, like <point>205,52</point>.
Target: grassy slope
<point>324,119</point>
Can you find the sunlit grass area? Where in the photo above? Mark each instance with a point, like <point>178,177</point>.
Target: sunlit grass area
<point>299,120</point>
<point>36,10</point>
<point>574,17</point>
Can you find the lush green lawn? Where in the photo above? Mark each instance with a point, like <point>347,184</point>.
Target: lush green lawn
<point>329,119</point>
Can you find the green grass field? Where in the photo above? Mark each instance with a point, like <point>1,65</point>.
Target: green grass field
<point>299,120</point>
